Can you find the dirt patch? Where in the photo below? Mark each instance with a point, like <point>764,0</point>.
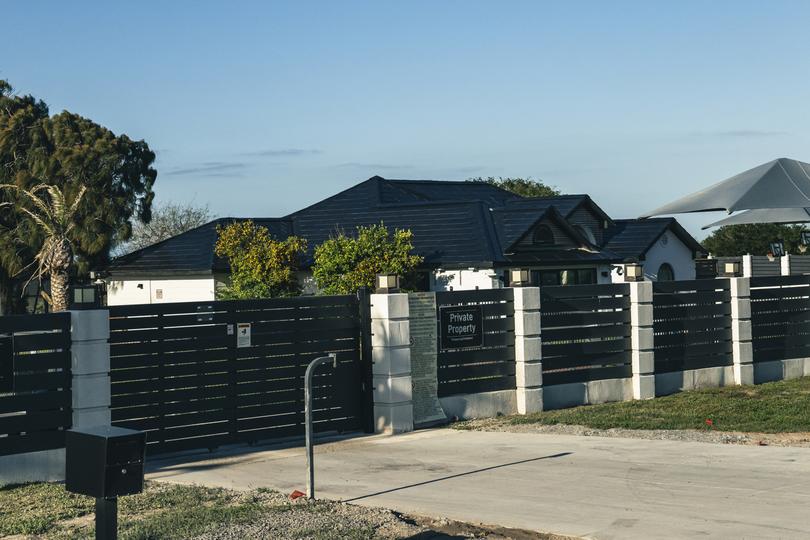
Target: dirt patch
<point>801,440</point>
<point>443,529</point>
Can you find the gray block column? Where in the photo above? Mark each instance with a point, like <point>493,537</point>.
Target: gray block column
<point>641,323</point>
<point>391,357</point>
<point>90,367</point>
<point>528,352</point>
<point>742,347</point>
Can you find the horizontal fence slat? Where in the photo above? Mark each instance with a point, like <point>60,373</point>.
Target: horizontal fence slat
<point>587,374</point>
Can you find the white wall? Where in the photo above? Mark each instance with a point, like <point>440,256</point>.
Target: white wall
<point>674,252</point>
<point>465,280</point>
<point>156,291</point>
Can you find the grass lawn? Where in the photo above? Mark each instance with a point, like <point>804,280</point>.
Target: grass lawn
<point>177,512</point>
<point>778,407</point>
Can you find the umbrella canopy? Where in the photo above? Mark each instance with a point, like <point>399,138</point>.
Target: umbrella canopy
<point>781,183</point>
<point>765,215</point>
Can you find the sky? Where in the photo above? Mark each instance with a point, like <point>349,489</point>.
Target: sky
<point>262,108</point>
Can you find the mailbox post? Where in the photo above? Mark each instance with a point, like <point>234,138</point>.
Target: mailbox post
<point>105,462</point>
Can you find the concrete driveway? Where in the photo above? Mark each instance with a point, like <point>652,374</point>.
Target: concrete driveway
<point>583,486</point>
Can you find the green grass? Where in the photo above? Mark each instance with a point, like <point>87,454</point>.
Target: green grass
<point>161,512</point>
<point>779,407</point>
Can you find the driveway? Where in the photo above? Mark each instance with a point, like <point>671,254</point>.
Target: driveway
<point>592,487</point>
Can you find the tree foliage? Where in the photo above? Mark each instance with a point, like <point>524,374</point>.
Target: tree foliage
<point>753,239</point>
<point>525,187</point>
<point>345,263</point>
<point>261,267</point>
<point>71,153</point>
<point>55,217</point>
<point>168,220</point>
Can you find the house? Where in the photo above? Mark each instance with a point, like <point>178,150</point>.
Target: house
<point>470,235</point>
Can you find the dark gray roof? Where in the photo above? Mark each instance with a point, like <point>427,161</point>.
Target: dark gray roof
<point>189,253</point>
<point>453,223</point>
<point>632,238</point>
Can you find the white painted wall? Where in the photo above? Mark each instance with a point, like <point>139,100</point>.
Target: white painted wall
<point>671,251</point>
<point>465,280</point>
<point>157,291</point>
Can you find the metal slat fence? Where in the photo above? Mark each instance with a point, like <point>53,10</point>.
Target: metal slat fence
<point>780,317</point>
<point>487,365</point>
<point>585,333</point>
<point>35,395</point>
<point>692,324</point>
<point>180,372</point>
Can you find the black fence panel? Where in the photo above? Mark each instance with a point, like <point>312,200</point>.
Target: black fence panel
<point>586,333</point>
<point>478,353</point>
<point>35,381</point>
<point>692,324</point>
<point>200,375</point>
<point>780,317</point>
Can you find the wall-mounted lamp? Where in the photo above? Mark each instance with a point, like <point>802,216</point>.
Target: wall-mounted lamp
<point>387,283</point>
<point>805,241</point>
<point>732,269</point>
<point>777,249</point>
<point>519,277</point>
<point>633,271</point>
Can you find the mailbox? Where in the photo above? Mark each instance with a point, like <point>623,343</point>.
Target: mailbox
<point>104,461</point>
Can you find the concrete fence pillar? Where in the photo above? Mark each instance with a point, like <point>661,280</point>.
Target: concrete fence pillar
<point>747,265</point>
<point>742,348</point>
<point>641,323</point>
<point>528,355</point>
<point>90,367</point>
<point>391,359</point>
<point>785,264</point>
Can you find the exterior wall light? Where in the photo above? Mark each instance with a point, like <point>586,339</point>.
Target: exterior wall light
<point>804,241</point>
<point>633,271</point>
<point>387,283</point>
<point>519,277</point>
<point>732,269</point>
<point>776,250</point>
<point>85,297</point>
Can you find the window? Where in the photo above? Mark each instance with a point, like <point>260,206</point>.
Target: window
<point>587,233</point>
<point>666,273</point>
<point>578,276</point>
<point>543,235</point>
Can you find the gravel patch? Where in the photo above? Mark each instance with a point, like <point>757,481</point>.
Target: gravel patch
<point>328,520</point>
<point>705,436</point>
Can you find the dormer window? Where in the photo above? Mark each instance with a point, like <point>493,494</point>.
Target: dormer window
<point>587,233</point>
<point>543,236</point>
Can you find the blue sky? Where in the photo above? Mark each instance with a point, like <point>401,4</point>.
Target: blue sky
<point>260,108</point>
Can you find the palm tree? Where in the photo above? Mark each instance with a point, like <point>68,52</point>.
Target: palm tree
<point>55,218</point>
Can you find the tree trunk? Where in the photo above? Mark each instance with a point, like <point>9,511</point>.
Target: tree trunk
<point>59,291</point>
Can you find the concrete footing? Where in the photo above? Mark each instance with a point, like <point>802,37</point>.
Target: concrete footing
<point>481,405</point>
<point>561,396</point>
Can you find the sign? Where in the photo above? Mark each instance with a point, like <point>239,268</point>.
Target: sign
<point>461,326</point>
<point>6,364</point>
<point>242,334</point>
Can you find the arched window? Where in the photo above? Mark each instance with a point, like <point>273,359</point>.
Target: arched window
<point>666,273</point>
<point>543,235</point>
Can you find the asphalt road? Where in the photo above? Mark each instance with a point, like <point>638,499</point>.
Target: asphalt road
<point>591,487</point>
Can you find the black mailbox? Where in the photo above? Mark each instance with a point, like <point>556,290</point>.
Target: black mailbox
<point>104,461</point>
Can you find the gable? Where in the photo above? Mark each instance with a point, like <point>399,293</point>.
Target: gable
<point>562,237</point>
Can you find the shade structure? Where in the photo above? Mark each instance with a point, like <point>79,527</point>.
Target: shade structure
<point>781,183</point>
<point>765,215</point>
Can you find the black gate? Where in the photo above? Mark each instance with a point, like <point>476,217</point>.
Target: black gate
<point>201,375</point>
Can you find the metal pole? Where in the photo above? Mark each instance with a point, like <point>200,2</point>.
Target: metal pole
<point>308,417</point>
<point>106,518</point>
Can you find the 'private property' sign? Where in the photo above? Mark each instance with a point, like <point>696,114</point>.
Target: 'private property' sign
<point>461,326</point>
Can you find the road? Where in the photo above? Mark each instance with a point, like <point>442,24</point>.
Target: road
<point>592,487</point>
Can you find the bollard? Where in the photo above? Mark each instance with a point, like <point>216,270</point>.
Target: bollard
<point>308,417</point>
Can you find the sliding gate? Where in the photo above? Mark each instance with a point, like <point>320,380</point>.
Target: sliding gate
<point>201,375</point>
